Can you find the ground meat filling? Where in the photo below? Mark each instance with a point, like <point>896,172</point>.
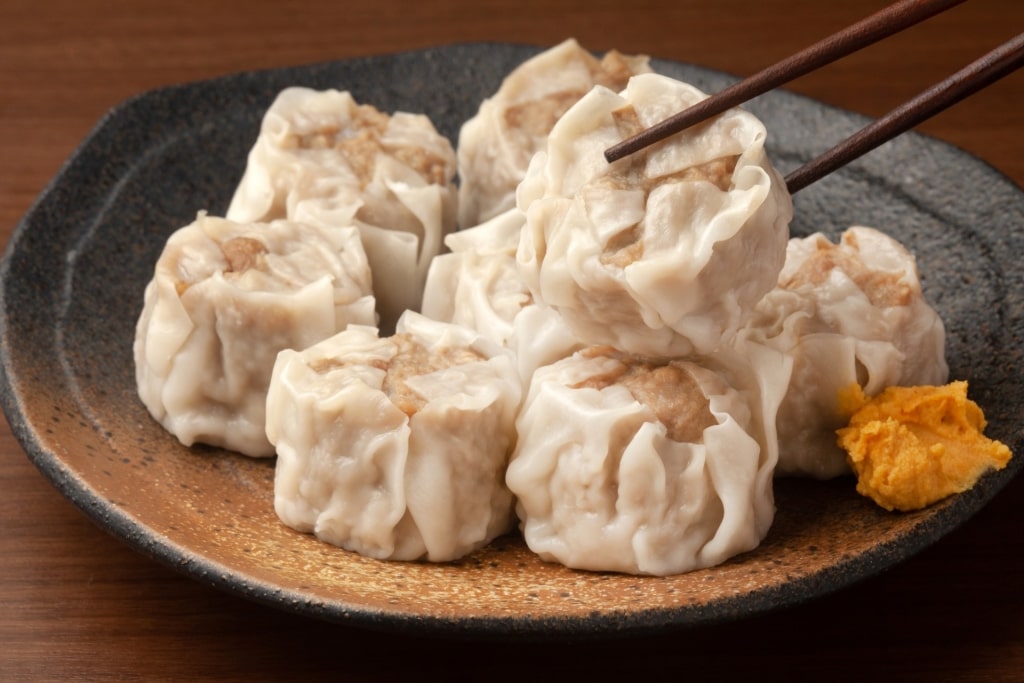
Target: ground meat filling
<point>667,389</point>
<point>624,248</point>
<point>630,173</point>
<point>242,254</point>
<point>413,359</point>
<point>534,119</point>
<point>615,71</point>
<point>360,142</point>
<point>718,172</point>
<point>883,289</point>
<point>431,167</point>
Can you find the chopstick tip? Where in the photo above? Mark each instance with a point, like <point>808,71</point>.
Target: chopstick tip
<point>615,152</point>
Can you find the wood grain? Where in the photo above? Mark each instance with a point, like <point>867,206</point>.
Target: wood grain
<point>76,604</point>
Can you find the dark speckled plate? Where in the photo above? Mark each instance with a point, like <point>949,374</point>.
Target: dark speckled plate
<point>72,284</point>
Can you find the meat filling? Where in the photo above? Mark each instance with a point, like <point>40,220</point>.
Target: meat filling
<point>630,173</point>
<point>883,289</point>
<point>413,359</point>
<point>362,141</point>
<point>242,253</point>
<point>667,389</point>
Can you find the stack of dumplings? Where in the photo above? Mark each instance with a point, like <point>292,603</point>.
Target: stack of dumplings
<point>651,254</point>
<point>592,357</point>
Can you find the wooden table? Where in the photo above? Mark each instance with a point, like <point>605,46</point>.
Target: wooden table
<point>76,603</point>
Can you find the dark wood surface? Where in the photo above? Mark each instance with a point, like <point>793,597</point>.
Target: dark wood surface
<point>77,604</point>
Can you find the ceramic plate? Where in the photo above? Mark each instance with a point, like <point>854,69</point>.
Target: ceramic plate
<point>76,266</point>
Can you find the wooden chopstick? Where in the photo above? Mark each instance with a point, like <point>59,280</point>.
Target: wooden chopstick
<point>884,23</point>
<point>981,73</point>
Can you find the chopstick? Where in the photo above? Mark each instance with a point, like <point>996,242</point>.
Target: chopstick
<point>881,24</point>
<point>979,74</point>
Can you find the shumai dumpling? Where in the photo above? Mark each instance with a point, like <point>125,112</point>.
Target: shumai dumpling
<point>495,146</point>
<point>395,447</point>
<point>477,284</point>
<point>321,157</point>
<point>225,298</point>
<point>643,466</point>
<point>652,254</point>
<point>849,313</point>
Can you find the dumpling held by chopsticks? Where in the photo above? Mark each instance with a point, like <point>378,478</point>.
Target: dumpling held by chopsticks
<point>662,253</point>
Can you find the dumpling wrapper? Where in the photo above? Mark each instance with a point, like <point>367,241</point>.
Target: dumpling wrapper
<point>652,254</point>
<point>496,145</point>
<point>323,158</point>
<point>541,336</point>
<point>477,284</point>
<point>849,313</point>
<point>225,298</point>
<point>395,447</point>
<point>667,475</point>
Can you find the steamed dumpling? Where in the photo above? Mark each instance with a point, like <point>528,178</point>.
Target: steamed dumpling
<point>310,135</point>
<point>477,284</point>
<point>495,146</point>
<point>395,447</point>
<point>323,158</point>
<point>848,313</point>
<point>224,299</point>
<point>652,254</point>
<point>633,465</point>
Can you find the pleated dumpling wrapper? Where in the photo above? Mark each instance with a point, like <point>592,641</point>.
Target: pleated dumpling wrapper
<point>495,146</point>
<point>477,284</point>
<point>851,312</point>
<point>664,252</point>
<point>395,447</point>
<point>350,164</point>
<point>650,467</point>
<point>225,298</point>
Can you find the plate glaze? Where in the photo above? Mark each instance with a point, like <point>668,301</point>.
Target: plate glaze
<point>76,266</point>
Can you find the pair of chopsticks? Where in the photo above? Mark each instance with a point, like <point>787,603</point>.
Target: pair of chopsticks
<point>981,73</point>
